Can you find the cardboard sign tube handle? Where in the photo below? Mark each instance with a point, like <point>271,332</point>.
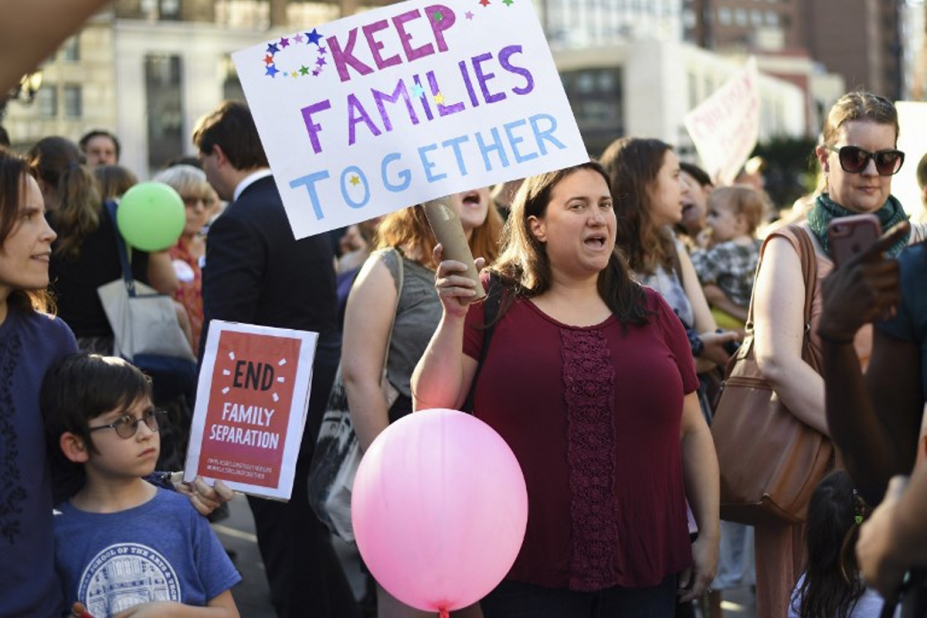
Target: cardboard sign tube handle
<point>446,225</point>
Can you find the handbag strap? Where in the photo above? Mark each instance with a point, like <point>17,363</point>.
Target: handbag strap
<point>806,254</point>
<point>121,249</point>
<point>400,277</point>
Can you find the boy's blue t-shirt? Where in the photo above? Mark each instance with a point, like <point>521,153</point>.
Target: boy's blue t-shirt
<point>162,550</point>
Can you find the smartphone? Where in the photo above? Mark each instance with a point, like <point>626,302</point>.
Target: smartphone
<point>850,236</point>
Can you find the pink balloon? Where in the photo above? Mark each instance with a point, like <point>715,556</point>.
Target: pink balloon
<point>439,509</point>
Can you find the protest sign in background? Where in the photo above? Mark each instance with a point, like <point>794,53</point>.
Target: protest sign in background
<point>912,118</point>
<point>725,126</point>
<point>251,407</point>
<point>406,103</point>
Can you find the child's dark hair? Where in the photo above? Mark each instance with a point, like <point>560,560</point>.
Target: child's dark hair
<point>81,387</point>
<point>832,585</point>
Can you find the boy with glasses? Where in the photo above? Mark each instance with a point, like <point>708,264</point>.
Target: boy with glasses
<point>120,541</point>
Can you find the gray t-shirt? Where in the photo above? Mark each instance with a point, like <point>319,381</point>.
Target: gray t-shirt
<point>417,317</point>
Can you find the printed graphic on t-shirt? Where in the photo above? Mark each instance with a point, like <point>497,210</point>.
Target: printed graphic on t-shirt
<point>125,575</point>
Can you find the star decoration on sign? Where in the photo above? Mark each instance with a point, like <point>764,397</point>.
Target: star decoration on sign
<point>418,91</point>
<point>355,180</point>
<point>508,2</point>
<point>468,15</point>
<point>437,16</point>
<point>310,38</point>
<point>314,37</point>
<point>439,99</point>
<point>484,2</point>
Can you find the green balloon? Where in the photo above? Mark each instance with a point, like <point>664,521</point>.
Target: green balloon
<point>151,216</point>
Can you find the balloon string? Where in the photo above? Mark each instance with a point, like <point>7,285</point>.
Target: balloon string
<point>443,613</point>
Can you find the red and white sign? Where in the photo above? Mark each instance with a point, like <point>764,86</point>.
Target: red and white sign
<point>251,406</point>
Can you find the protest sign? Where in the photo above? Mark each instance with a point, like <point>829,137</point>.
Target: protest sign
<point>251,407</point>
<point>405,103</point>
<point>912,117</point>
<point>726,125</point>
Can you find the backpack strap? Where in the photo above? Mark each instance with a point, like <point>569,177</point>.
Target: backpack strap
<point>490,313</point>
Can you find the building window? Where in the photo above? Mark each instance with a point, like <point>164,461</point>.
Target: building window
<point>170,9</point>
<point>724,16</point>
<point>740,16</point>
<point>70,50</point>
<point>163,97</point>
<point>756,17</point>
<point>73,105</point>
<point>772,18</point>
<point>46,101</point>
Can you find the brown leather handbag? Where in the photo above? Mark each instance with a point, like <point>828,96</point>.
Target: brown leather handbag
<point>770,460</point>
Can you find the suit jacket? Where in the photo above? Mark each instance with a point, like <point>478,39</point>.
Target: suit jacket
<point>256,272</point>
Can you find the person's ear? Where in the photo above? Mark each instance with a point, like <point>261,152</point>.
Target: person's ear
<point>538,229</point>
<point>823,156</point>
<point>221,157</point>
<point>73,447</point>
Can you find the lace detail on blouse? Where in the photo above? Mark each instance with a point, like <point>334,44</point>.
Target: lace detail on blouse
<point>588,377</point>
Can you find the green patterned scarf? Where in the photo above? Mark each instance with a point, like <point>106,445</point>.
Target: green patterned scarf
<point>826,210</point>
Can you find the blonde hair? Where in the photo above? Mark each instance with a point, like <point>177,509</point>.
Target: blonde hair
<point>186,179</point>
<point>743,200</point>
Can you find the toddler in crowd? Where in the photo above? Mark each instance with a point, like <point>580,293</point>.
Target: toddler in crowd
<point>831,585</point>
<point>727,267</point>
<point>120,541</point>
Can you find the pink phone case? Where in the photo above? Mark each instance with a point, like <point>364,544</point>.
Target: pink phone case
<point>850,236</point>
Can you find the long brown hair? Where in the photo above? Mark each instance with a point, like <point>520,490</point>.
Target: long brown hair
<point>13,172</point>
<point>57,161</point>
<point>409,227</point>
<point>524,266</point>
<point>633,165</point>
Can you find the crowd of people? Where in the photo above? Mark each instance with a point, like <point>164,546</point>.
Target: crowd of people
<point>621,290</point>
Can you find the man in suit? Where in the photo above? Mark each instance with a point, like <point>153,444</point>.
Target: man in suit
<point>256,272</point>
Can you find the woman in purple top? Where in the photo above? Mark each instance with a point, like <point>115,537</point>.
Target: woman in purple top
<point>30,341</point>
<point>590,380</point>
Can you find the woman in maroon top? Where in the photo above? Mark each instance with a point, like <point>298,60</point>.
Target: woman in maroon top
<point>590,380</point>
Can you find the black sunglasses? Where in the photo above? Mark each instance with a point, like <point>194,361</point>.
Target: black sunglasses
<point>854,160</point>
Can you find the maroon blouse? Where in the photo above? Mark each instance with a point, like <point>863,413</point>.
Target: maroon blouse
<point>593,417</point>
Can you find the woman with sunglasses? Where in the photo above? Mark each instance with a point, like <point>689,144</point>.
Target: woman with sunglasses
<point>858,157</point>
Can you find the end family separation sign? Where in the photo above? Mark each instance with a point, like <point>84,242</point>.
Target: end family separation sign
<point>251,407</point>
<point>406,103</point>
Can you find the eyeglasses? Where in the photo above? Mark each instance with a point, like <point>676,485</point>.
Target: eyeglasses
<point>854,160</point>
<point>126,426</point>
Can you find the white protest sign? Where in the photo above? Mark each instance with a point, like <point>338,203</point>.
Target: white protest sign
<point>251,405</point>
<point>912,118</point>
<point>405,103</point>
<point>725,126</point>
